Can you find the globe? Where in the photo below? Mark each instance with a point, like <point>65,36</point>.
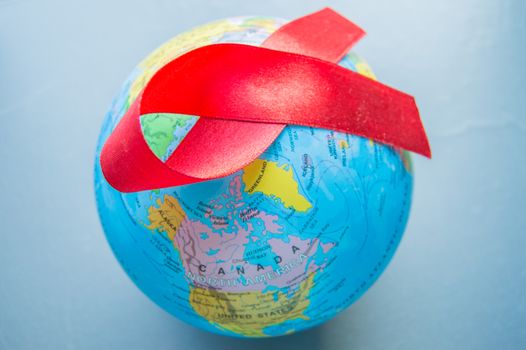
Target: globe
<point>280,246</point>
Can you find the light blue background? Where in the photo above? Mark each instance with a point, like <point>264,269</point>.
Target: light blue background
<point>459,277</point>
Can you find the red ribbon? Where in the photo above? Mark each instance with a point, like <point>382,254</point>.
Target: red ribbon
<point>246,95</point>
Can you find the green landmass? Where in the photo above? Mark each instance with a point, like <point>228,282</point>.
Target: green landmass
<point>158,130</point>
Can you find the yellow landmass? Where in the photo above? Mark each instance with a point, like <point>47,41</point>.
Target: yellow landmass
<point>175,47</point>
<point>268,24</point>
<point>364,69</point>
<point>168,217</point>
<point>271,179</point>
<point>249,313</point>
<point>406,160</point>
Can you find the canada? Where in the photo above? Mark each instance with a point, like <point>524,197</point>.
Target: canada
<point>241,270</point>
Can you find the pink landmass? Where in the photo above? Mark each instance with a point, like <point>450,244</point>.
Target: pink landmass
<point>271,224</point>
<point>215,269</point>
<point>327,246</point>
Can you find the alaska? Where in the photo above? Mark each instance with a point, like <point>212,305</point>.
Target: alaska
<point>168,217</point>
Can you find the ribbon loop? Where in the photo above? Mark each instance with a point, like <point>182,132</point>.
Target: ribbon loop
<point>246,95</point>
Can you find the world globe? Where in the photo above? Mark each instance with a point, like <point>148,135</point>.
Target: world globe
<point>280,246</point>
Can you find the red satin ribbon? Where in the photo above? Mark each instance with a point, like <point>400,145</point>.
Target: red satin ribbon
<point>246,95</point>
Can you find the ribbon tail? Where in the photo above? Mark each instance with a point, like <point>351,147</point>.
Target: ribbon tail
<point>259,86</point>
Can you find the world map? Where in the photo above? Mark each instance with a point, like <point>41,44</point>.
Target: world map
<point>282,245</point>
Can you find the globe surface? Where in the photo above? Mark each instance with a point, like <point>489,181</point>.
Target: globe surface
<point>280,246</point>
